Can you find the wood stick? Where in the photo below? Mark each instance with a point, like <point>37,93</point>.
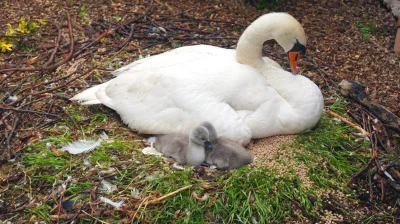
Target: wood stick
<point>158,200</point>
<point>28,111</point>
<point>356,91</point>
<point>333,114</point>
<point>14,128</point>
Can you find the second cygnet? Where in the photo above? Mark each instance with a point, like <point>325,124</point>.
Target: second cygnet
<point>185,150</point>
<point>224,153</point>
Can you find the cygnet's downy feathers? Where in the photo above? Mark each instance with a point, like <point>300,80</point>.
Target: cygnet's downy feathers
<point>182,148</point>
<point>224,153</point>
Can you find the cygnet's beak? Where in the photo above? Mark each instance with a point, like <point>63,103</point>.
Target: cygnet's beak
<point>293,58</point>
<point>208,145</point>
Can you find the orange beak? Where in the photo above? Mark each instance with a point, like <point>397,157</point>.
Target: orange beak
<point>293,58</point>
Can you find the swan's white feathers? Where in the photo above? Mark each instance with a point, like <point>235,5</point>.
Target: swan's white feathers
<point>88,94</point>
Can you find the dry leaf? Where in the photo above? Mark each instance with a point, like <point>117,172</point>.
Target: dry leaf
<point>32,60</point>
<point>56,152</point>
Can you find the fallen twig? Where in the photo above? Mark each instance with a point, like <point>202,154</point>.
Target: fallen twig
<point>357,92</point>
<point>65,84</point>
<point>14,90</point>
<point>16,120</point>
<point>366,167</point>
<point>160,199</point>
<point>139,17</point>
<point>28,111</point>
<point>74,216</point>
<point>349,122</point>
<point>127,39</point>
<point>104,34</point>
<point>57,45</point>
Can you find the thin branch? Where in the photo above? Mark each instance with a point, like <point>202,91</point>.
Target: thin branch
<point>139,17</point>
<point>349,122</point>
<point>104,34</point>
<point>51,59</point>
<point>65,84</point>
<point>127,39</point>
<point>158,200</point>
<point>14,90</point>
<point>28,111</point>
<point>16,120</point>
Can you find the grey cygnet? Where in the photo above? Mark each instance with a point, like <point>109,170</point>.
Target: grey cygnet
<point>185,150</point>
<point>224,153</point>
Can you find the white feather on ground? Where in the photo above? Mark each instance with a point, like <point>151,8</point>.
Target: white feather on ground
<point>81,146</point>
<point>151,150</point>
<point>110,202</point>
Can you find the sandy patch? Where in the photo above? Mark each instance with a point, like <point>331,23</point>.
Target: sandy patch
<point>271,153</point>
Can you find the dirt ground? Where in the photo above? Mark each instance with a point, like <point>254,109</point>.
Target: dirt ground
<point>346,40</point>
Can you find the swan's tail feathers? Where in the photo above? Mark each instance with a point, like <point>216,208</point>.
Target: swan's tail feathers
<point>88,96</point>
<point>90,102</point>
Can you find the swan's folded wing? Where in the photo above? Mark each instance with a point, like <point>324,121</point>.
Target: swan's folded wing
<point>175,58</point>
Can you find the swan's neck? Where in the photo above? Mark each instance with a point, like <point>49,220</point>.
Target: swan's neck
<point>250,44</point>
<point>278,26</point>
<point>249,47</point>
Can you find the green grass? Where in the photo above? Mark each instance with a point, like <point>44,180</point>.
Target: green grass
<point>250,193</point>
<point>78,187</point>
<point>41,211</point>
<point>83,11</point>
<point>265,4</point>
<point>367,29</point>
<point>330,143</point>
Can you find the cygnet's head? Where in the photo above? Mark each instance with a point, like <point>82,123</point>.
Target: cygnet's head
<point>212,132</point>
<point>200,136</point>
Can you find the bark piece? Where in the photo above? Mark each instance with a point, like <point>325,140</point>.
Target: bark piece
<point>356,91</point>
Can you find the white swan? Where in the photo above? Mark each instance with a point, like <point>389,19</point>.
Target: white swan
<point>243,94</point>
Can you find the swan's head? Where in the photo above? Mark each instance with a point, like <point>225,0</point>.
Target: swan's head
<point>292,38</point>
<point>282,27</point>
<point>201,136</point>
<point>293,55</point>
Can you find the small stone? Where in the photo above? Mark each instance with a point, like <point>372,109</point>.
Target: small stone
<point>102,50</point>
